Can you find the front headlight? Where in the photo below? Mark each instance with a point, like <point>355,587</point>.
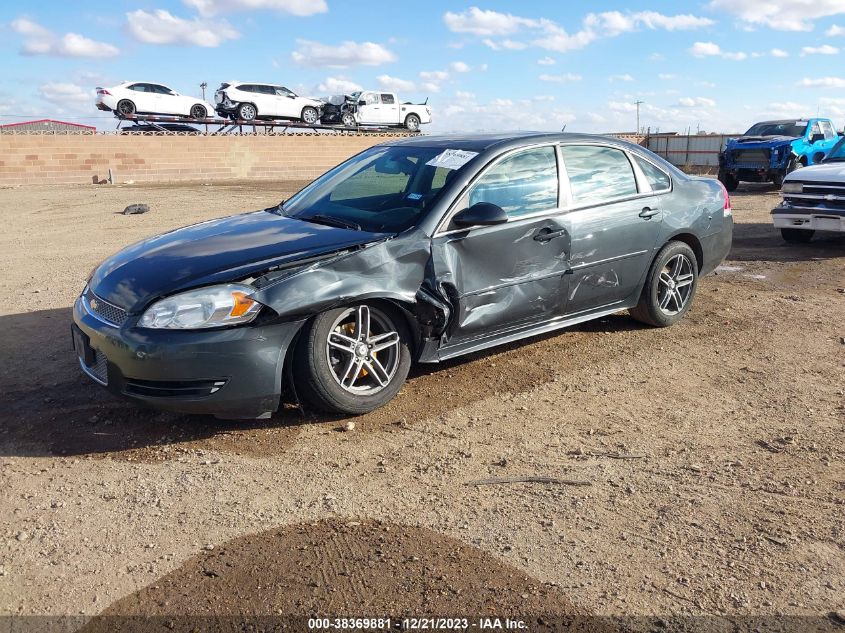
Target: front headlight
<point>793,187</point>
<point>214,306</point>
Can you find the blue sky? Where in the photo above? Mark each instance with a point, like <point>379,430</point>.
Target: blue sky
<point>715,65</point>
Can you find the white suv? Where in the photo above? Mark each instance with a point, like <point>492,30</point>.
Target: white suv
<point>248,101</point>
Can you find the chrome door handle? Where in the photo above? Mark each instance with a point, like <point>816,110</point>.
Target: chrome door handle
<point>648,212</point>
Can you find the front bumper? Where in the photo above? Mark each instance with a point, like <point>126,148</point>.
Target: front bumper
<point>229,373</point>
<point>815,218</point>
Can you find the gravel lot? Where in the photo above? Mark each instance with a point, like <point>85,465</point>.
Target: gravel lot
<point>713,452</point>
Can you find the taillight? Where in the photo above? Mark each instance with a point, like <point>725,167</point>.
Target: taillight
<point>726,210</point>
<point>103,91</point>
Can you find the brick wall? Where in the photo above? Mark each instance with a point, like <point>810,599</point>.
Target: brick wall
<point>26,159</point>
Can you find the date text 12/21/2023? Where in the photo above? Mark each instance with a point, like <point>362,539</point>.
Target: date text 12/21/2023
<point>417,624</point>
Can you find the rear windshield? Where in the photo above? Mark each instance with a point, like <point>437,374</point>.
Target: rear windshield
<point>778,128</point>
<point>383,189</point>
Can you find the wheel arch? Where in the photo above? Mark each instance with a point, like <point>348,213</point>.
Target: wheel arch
<point>690,240</point>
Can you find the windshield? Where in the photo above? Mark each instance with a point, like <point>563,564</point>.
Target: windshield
<point>778,128</point>
<point>381,190</point>
<point>837,153</point>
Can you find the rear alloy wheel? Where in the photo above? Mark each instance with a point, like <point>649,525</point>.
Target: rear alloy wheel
<point>198,111</point>
<point>797,236</point>
<point>125,107</point>
<point>310,115</point>
<point>670,286</point>
<point>348,119</point>
<point>247,112</point>
<point>412,122</point>
<point>352,360</point>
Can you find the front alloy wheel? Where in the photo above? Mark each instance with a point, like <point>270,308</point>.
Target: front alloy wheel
<point>352,360</point>
<point>670,286</point>
<point>310,115</point>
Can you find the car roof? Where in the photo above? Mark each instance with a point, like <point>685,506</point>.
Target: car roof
<point>506,140</point>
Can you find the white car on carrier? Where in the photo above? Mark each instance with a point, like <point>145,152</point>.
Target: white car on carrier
<point>813,199</point>
<point>139,97</point>
<point>247,101</point>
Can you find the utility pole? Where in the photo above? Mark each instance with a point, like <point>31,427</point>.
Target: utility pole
<point>203,86</point>
<point>638,104</point>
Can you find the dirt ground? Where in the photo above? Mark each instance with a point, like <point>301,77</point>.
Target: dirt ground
<point>713,451</point>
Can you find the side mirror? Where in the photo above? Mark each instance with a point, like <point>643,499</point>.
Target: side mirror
<point>481,214</point>
<point>362,103</point>
<point>815,138</point>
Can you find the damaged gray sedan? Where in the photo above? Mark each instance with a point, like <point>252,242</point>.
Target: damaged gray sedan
<point>417,250</point>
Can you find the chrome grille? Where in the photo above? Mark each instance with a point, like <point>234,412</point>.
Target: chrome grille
<point>819,194</point>
<point>106,311</point>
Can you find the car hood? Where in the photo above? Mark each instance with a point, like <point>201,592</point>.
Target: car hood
<point>830,172</point>
<point>217,251</point>
<point>761,141</point>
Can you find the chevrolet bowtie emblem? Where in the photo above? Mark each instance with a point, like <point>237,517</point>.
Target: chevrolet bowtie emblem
<point>94,304</point>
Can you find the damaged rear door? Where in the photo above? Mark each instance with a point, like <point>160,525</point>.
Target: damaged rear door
<point>614,226</point>
<point>513,274</point>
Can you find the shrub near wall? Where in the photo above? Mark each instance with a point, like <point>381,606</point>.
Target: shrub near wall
<point>58,158</point>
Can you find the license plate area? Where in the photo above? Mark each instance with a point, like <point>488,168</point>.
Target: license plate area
<point>93,362</point>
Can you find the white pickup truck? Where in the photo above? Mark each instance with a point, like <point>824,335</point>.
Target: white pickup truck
<point>372,107</point>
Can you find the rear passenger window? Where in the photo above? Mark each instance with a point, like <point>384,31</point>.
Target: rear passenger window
<point>657,178</point>
<point>598,173</point>
<point>387,99</point>
<point>523,183</point>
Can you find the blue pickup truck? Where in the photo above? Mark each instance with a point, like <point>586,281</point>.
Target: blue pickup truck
<point>771,149</point>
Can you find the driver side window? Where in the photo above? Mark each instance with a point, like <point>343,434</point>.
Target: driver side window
<point>371,98</point>
<point>525,182</point>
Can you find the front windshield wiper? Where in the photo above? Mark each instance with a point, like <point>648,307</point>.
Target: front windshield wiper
<point>329,220</point>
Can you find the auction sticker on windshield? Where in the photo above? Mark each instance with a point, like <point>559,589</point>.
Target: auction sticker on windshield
<point>452,159</point>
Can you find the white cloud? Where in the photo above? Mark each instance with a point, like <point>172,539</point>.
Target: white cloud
<point>65,93</point>
<point>501,45</point>
<point>709,49</point>
<point>696,102</point>
<point>337,85</point>
<point>560,78</point>
<point>551,36</point>
<point>343,55</point>
<point>41,41</point>
<point>434,75</point>
<point>835,31</point>
<point>822,82</point>
<point>625,77</point>
<point>460,67</point>
<point>485,23</point>
<point>778,52</point>
<point>824,49</point>
<point>293,7</point>
<point>394,84</point>
<point>162,27</point>
<point>546,61</point>
<point>782,15</point>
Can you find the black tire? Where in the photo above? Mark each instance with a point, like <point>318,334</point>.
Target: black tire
<point>320,369</point>
<point>348,119</point>
<point>198,111</point>
<point>797,236</point>
<point>777,180</point>
<point>310,115</point>
<point>412,123</point>
<point>247,112</point>
<point>730,181</point>
<point>125,107</point>
<point>658,306</point>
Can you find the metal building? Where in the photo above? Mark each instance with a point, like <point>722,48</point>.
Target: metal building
<point>46,126</point>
